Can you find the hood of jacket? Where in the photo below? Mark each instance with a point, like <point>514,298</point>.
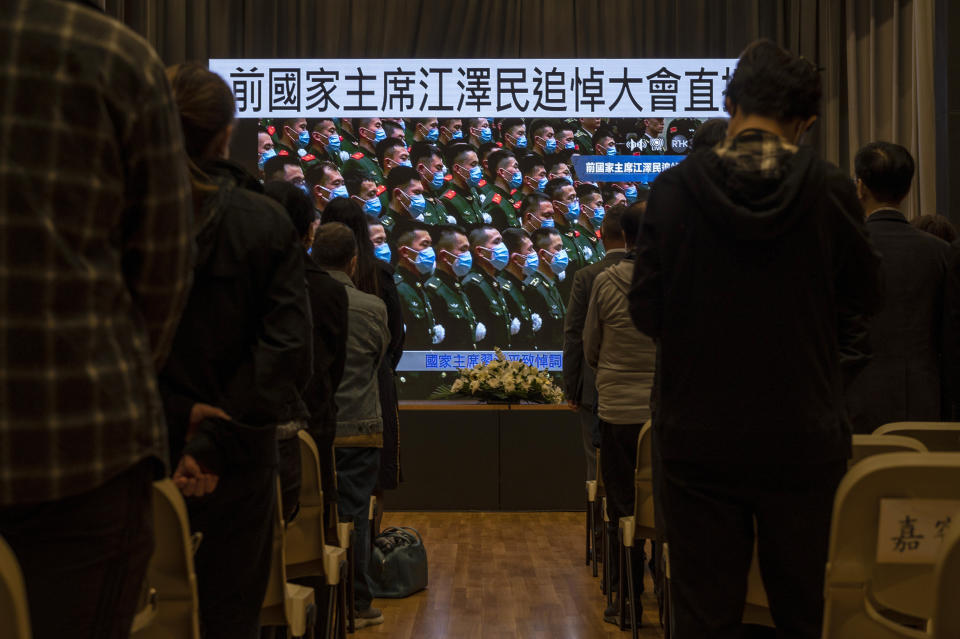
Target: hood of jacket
<point>621,275</point>
<point>755,186</point>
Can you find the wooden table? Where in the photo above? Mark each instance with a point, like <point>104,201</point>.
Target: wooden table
<point>459,455</point>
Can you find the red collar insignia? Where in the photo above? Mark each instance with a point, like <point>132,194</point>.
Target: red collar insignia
<point>482,183</point>
<point>282,152</point>
<point>381,189</point>
<point>496,198</point>
<point>450,194</point>
<point>309,157</point>
<point>357,155</point>
<point>271,130</point>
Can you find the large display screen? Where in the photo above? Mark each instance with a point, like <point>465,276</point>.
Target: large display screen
<point>462,167</point>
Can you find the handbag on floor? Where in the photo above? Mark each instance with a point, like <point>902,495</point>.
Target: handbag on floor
<point>398,566</point>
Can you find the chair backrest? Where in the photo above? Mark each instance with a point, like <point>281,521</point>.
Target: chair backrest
<point>14,613</point>
<point>643,508</point>
<point>858,587</point>
<point>868,445</point>
<point>171,570</point>
<point>277,583</point>
<point>304,535</point>
<point>936,436</point>
<point>946,613</point>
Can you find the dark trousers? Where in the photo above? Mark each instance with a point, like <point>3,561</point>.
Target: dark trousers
<point>290,476</point>
<point>357,471</point>
<point>590,434</point>
<point>618,459</point>
<point>84,557</point>
<point>709,512</point>
<point>233,561</point>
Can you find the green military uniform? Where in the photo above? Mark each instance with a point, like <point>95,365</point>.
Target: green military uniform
<point>584,141</point>
<point>486,298</point>
<point>465,205</point>
<point>589,244</point>
<point>452,310</point>
<point>485,188</point>
<point>360,161</point>
<point>315,156</point>
<point>418,317</point>
<point>348,141</point>
<point>544,298</point>
<point>575,255</point>
<point>504,208</point>
<point>523,326</point>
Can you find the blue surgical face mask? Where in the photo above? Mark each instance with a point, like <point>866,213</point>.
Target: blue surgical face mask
<point>266,155</point>
<point>402,124</point>
<point>426,261</point>
<point>463,264</point>
<point>516,180</point>
<point>547,223</point>
<point>476,174</point>
<point>573,210</point>
<point>437,181</point>
<point>457,135</point>
<point>303,187</point>
<point>631,193</point>
<point>333,143</point>
<point>382,252</point>
<point>568,179</point>
<point>550,145</point>
<point>379,135</point>
<point>373,205</point>
<point>407,163</point>
<point>418,204</point>
<point>532,263</point>
<point>569,145</point>
<point>597,216</point>
<point>611,150</point>
<point>340,191</point>
<point>303,139</point>
<point>521,142</point>
<point>486,134</point>
<point>433,134</point>
<point>500,256</point>
<point>559,262</point>
<point>542,183</point>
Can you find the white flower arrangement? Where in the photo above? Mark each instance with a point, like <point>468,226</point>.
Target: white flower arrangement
<point>503,380</point>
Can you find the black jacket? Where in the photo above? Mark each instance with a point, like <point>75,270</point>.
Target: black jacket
<point>902,381</point>
<point>243,343</point>
<point>755,288</point>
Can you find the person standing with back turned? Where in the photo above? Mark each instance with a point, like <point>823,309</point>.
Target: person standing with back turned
<point>754,273</point>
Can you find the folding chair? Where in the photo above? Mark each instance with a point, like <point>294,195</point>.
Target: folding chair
<point>641,525</point>
<point>593,489</point>
<point>945,623</point>
<point>868,445</point>
<point>170,572</point>
<point>285,604</point>
<point>936,436</point>
<point>307,553</point>
<point>865,598</point>
<point>14,612</point>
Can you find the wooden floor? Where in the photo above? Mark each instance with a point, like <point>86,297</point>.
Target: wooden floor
<point>498,575</point>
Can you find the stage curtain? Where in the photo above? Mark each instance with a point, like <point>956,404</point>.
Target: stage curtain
<point>876,55</point>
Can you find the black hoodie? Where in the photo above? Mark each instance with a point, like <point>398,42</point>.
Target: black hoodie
<point>755,274</point>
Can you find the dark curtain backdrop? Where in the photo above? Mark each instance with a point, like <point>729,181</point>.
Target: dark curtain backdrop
<point>842,37</point>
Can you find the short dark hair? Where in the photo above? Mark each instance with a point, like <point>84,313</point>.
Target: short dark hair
<point>631,221</point>
<point>444,236</point>
<point>390,128</point>
<point>354,179</point>
<point>486,149</point>
<point>886,169</point>
<point>421,151</point>
<point>373,220</point>
<point>541,237</point>
<point>313,124</point>
<point>513,238</point>
<point>529,162</point>
<point>456,152</point>
<point>584,189</point>
<point>611,224</point>
<point>276,165</point>
<point>537,126</point>
<point>495,158</point>
<point>334,246</point>
<point>554,186</point>
<point>936,225</point>
<point>532,202</point>
<point>709,134</point>
<point>356,123</point>
<point>406,230</point>
<point>555,159</point>
<point>386,146</point>
<point>401,177</point>
<point>772,82</point>
<point>479,234</point>
<point>509,123</point>
<point>317,173</point>
<point>599,134</point>
<point>295,202</point>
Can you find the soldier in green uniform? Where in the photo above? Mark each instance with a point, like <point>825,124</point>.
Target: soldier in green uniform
<point>524,324</point>
<point>425,130</point>
<point>485,185</point>
<point>451,132</point>
<point>365,192</point>
<point>325,144</point>
<point>534,174</point>
<point>325,183</point>
<point>566,137</point>
<point>543,296</point>
<point>559,166</point>
<point>406,203</point>
<point>391,153</point>
<point>428,162</point>
<point>292,135</point>
<point>536,211</point>
<point>603,142</point>
<point>566,211</point>
<point>451,308</point>
<point>416,261</point>
<point>504,204</point>
<point>584,135</point>
<point>348,137</point>
<point>284,167</point>
<point>543,137</point>
<point>490,256</point>
<point>461,199</point>
<point>370,132</point>
<point>478,132</point>
<point>514,135</point>
<point>588,224</point>
<point>394,130</point>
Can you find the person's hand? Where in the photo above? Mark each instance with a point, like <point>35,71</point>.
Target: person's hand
<point>192,479</point>
<point>200,412</point>
<point>573,405</point>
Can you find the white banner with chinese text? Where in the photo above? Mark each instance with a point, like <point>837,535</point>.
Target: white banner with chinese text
<point>288,88</point>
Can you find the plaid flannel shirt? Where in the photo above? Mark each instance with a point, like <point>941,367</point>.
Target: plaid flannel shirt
<point>756,151</point>
<point>95,248</point>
